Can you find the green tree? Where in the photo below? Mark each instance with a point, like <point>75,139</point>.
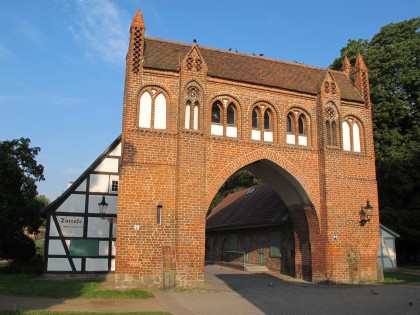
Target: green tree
<point>393,57</point>
<point>19,208</point>
<point>240,180</point>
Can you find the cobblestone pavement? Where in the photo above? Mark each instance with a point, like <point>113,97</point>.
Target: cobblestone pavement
<point>233,292</point>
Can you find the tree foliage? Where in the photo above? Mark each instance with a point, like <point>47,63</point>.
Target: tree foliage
<point>19,208</point>
<point>392,57</point>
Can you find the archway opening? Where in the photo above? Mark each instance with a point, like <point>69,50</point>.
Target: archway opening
<point>259,217</point>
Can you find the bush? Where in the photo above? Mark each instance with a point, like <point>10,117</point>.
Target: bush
<point>17,247</point>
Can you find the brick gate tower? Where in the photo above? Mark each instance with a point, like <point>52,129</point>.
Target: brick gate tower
<point>193,116</point>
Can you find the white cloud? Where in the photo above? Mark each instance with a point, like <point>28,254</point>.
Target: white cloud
<point>103,27</point>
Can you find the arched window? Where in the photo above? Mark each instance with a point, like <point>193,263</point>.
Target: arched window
<point>268,133</point>
<point>224,117</point>
<point>192,96</point>
<point>231,115</point>
<point>289,123</point>
<point>351,135</point>
<point>301,125</point>
<point>231,129</point>
<point>331,126</point>
<point>297,127</point>
<point>216,113</point>
<point>187,114</point>
<point>216,119</point>
<point>160,112</point>
<point>148,105</point>
<point>255,118</point>
<point>267,119</point>
<point>356,138</point>
<point>145,116</point>
<point>346,136</point>
<point>196,113</point>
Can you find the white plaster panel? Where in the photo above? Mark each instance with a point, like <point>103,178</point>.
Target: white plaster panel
<point>73,203</point>
<point>256,135</point>
<point>108,165</point>
<point>217,130</point>
<point>145,110</point>
<point>356,138</point>
<point>116,151</point>
<point>96,264</point>
<point>160,112</point>
<point>290,139</point>
<point>187,116</point>
<point>82,186</point>
<point>53,228</point>
<point>55,247</point>
<point>268,136</point>
<point>103,248</point>
<point>98,227</point>
<point>58,264</point>
<point>346,136</point>
<point>99,183</point>
<point>302,140</point>
<point>112,264</point>
<point>110,200</point>
<point>231,132</point>
<point>77,264</point>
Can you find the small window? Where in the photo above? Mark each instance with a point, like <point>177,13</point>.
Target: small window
<point>195,117</point>
<point>301,125</point>
<point>187,114</point>
<point>255,123</point>
<point>289,124</point>
<point>159,214</point>
<point>231,114</point>
<point>114,186</point>
<point>267,120</point>
<point>215,114</point>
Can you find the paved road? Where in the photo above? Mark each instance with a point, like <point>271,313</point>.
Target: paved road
<point>234,292</point>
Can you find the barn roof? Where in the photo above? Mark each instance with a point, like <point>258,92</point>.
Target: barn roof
<point>255,206</point>
<point>167,55</point>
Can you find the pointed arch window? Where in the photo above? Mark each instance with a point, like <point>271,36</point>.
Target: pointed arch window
<point>231,120</point>
<point>145,116</point>
<point>187,114</point>
<point>255,133</point>
<point>192,107</point>
<point>160,112</point>
<point>216,119</point>
<point>196,113</point>
<point>352,140</point>
<point>297,127</point>
<point>151,106</point>
<point>262,119</point>
<point>331,126</point>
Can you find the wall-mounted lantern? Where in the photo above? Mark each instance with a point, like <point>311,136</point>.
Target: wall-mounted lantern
<point>365,213</point>
<point>103,205</point>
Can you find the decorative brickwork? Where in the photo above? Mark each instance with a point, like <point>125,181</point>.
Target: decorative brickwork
<point>181,169</point>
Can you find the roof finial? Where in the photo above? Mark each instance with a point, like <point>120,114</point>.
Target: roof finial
<point>346,66</point>
<point>195,41</point>
<point>137,20</point>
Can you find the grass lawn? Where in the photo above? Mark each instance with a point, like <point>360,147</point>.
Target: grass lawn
<point>30,285</point>
<point>75,313</point>
<point>397,277</point>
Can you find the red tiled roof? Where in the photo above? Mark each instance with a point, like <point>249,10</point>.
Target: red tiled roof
<point>167,55</point>
<point>242,209</point>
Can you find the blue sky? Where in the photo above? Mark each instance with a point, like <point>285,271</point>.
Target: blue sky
<point>62,62</point>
